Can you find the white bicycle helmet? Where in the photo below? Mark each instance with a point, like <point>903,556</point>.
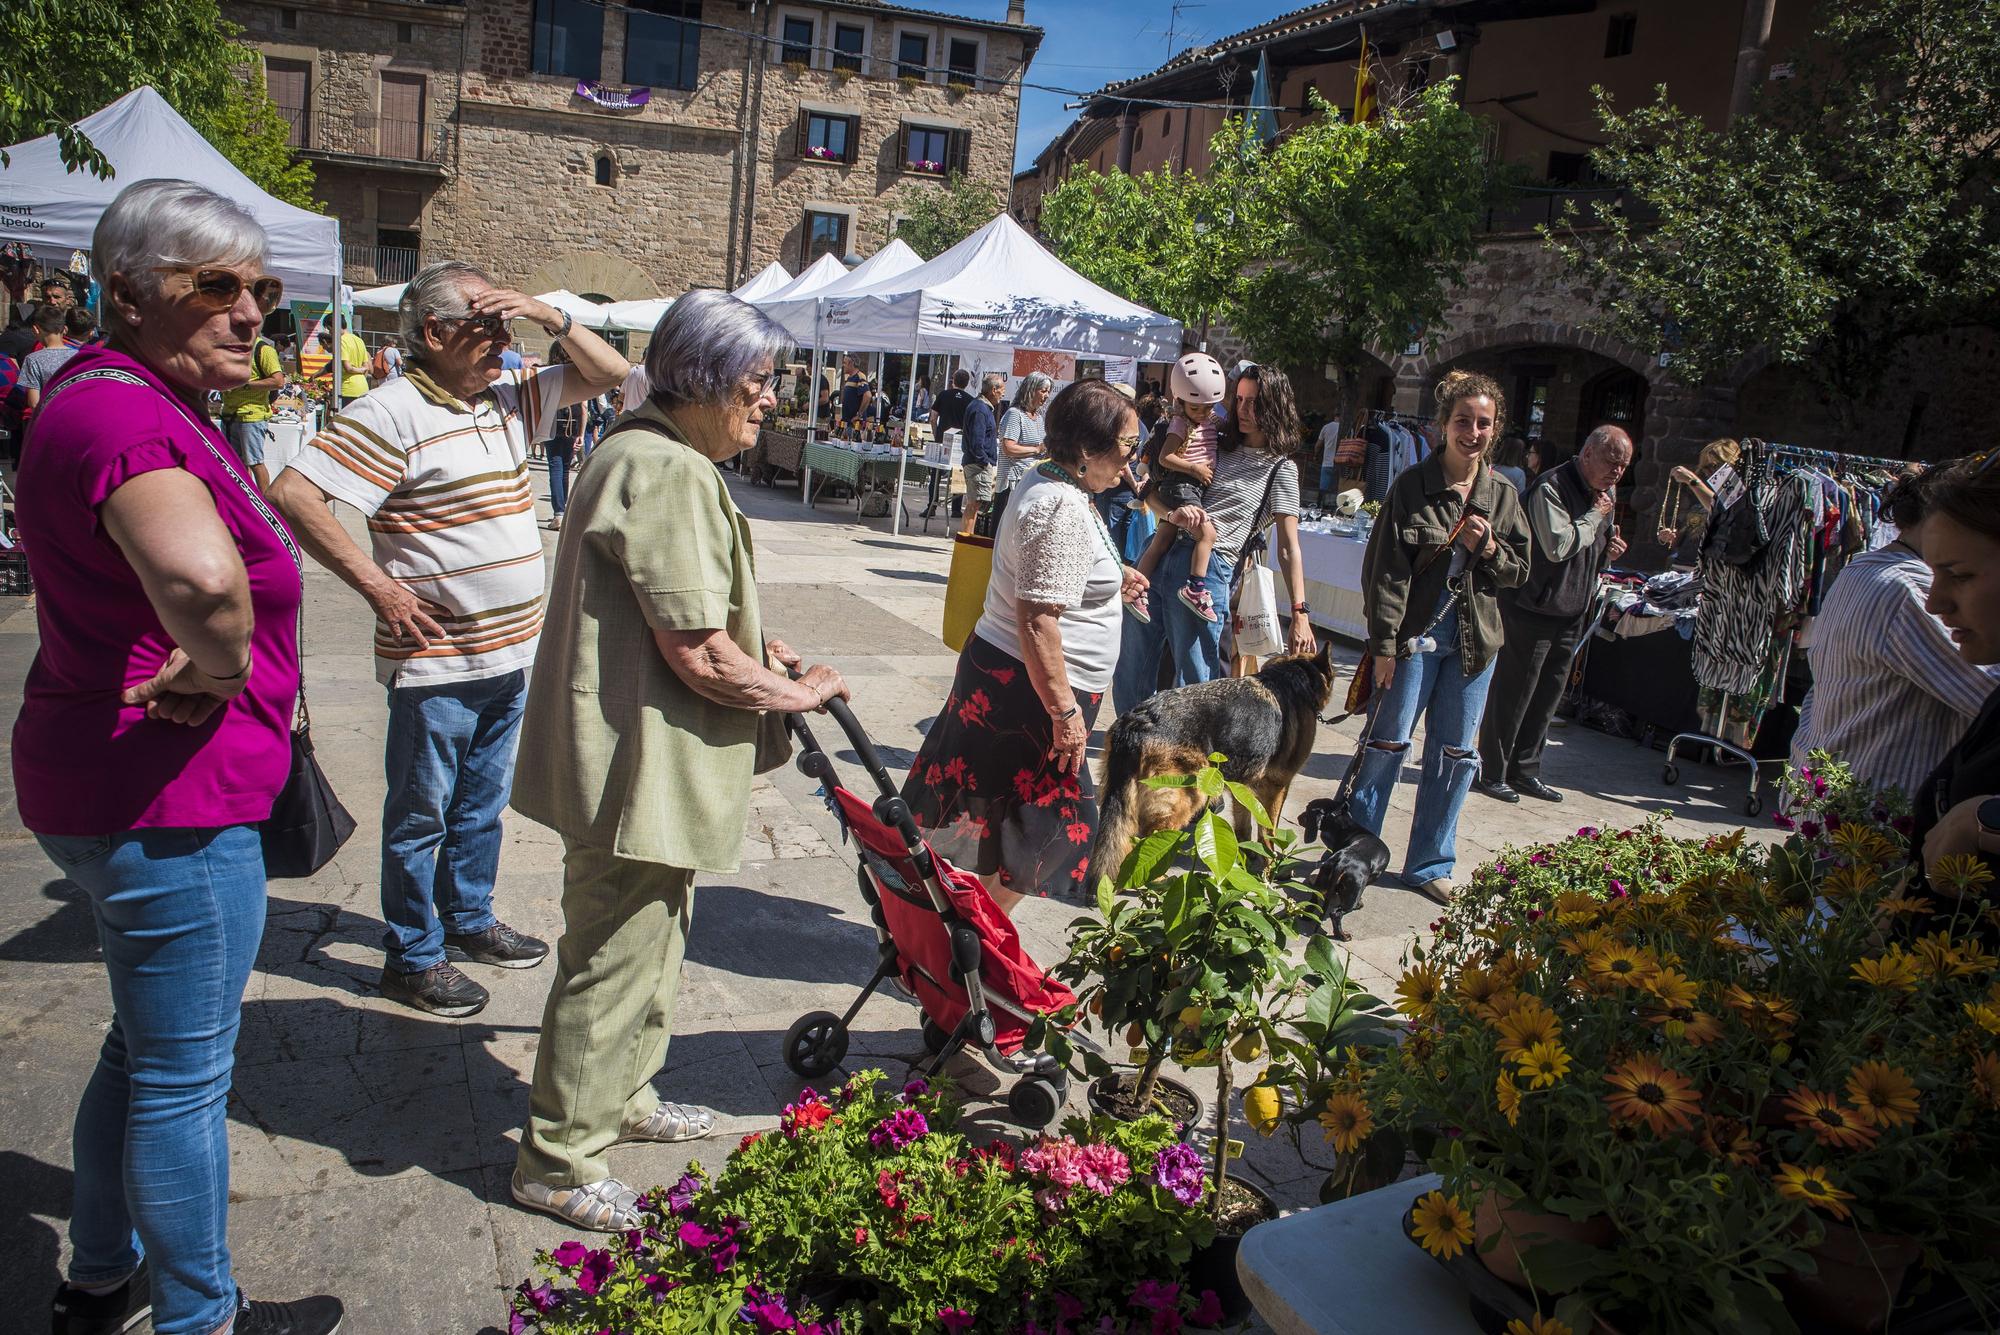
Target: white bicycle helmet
<point>1198,378</point>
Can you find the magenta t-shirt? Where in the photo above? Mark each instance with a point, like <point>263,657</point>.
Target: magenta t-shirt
<point>84,763</point>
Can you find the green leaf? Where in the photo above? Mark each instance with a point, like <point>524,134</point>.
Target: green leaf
<point>1250,803</point>
<point>1153,853</point>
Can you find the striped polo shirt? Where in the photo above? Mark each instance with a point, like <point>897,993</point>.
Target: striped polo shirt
<point>451,513</point>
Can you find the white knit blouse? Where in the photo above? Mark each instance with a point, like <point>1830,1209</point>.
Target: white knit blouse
<point>1051,547</point>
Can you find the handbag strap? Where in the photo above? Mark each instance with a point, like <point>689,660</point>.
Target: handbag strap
<point>243,484</point>
<point>1255,542</point>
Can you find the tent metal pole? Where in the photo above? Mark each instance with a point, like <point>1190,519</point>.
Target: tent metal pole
<point>909,416</point>
<point>333,316</point>
<point>812,408</point>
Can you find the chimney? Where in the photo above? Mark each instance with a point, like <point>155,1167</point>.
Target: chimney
<point>1017,12</point>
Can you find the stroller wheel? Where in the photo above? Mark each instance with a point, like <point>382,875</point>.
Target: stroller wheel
<point>935,1036</point>
<point>815,1044</point>
<point>1034,1102</point>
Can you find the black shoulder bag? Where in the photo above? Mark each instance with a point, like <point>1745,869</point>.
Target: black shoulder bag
<point>307,824</point>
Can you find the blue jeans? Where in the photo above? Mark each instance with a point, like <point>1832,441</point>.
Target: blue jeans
<point>450,761</point>
<point>1196,644</point>
<point>179,915</point>
<point>1435,686</point>
<point>561,453</point>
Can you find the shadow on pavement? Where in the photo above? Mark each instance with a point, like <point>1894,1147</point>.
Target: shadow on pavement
<point>67,936</point>
<point>759,935</point>
<point>31,1246</point>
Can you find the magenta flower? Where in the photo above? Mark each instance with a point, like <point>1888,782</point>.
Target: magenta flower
<point>899,1129</point>
<point>1155,1295</point>
<point>765,1311</point>
<point>1534,915</point>
<point>1618,890</point>
<point>568,1255</point>
<point>1809,828</point>
<point>1105,1168</point>
<point>660,1286</point>
<point>516,1323</point>
<point>1783,822</point>
<point>695,1236</point>
<point>1068,1307</point>
<point>543,1298</point>
<point>916,1089</point>
<point>1178,1168</point>
<point>682,1193</point>
<point>954,1318</point>
<point>1832,821</point>
<point>597,1267</point>
<point>1904,825</point>
<point>1207,1312</point>
<point>1586,831</point>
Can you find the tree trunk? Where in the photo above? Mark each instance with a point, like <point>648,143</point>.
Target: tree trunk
<point>1149,1080</point>
<point>1222,1082</point>
<point>1350,399</point>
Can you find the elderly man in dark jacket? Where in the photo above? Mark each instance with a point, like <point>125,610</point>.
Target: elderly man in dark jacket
<point>981,450</point>
<point>1569,511</point>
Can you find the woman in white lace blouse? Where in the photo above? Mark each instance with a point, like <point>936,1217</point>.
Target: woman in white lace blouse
<point>1000,785</point>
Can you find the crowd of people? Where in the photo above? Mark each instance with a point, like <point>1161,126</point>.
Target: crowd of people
<point>630,706</point>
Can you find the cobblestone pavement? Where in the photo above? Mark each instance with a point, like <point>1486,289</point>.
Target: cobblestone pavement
<point>371,1146</point>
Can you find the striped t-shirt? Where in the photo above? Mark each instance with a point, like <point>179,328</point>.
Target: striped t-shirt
<point>451,512</point>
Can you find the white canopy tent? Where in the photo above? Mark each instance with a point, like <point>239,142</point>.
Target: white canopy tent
<point>823,272</point>
<point>55,210</point>
<point>797,314</point>
<point>767,280</point>
<point>380,298</point>
<point>637,316</point>
<point>586,313</point>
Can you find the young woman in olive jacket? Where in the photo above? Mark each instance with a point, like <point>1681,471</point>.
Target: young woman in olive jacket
<point>1450,536</point>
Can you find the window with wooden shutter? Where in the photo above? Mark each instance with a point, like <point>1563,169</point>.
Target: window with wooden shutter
<point>799,141</point>
<point>926,149</point>
<point>290,85</point>
<point>826,136</point>
<point>400,132</point>
<point>958,158</point>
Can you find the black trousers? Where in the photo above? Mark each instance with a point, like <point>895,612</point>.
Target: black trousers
<point>1527,684</point>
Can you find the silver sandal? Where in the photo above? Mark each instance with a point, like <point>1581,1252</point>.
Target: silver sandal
<point>600,1207</point>
<point>672,1122</point>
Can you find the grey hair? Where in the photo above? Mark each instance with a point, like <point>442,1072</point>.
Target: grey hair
<point>992,378</point>
<point>438,289</point>
<point>1605,436</point>
<point>1033,383</point>
<point>704,347</point>
<point>167,223</point>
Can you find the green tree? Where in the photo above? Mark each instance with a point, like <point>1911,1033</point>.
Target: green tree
<point>69,58</point>
<point>1856,207</point>
<point>1338,239</point>
<point>936,219</point>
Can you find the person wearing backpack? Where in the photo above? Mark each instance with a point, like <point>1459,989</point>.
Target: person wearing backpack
<point>246,412</point>
<point>387,363</point>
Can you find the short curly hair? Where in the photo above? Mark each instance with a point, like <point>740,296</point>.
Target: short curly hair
<point>1458,386</point>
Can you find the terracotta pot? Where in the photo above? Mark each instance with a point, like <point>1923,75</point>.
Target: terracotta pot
<point>1523,1230</point>
<point>1859,1279</point>
<point>1107,1095</point>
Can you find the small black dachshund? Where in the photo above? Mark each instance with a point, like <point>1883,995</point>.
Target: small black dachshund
<point>1353,858</point>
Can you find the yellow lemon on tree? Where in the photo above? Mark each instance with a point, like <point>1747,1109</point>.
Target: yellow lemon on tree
<point>1261,1108</point>
<point>1190,1017</point>
<point>1248,1047</point>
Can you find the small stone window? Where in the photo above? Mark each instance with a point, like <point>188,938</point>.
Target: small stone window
<point>605,168</point>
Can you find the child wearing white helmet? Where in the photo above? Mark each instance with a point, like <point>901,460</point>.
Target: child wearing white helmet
<point>1186,465</point>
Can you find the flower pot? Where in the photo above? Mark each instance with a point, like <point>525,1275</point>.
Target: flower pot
<point>1520,1231</point>
<point>1214,1266</point>
<point>1112,1096</point>
<point>1859,1279</point>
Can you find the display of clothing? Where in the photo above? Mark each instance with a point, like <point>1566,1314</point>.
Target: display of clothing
<point>1392,447</point>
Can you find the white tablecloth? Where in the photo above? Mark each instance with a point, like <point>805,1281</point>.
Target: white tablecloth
<point>1333,580</point>
<point>283,440</point>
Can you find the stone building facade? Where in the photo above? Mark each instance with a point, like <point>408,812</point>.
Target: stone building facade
<point>1528,69</point>
<point>506,132</point>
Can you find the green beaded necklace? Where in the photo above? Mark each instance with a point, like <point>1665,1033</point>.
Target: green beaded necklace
<point>1056,472</point>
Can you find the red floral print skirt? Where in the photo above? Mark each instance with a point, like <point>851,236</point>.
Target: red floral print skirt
<point>985,791</point>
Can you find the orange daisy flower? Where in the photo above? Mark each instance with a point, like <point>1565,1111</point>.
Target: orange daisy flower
<point>1731,1140</point>
<point>1646,1091</point>
<point>1814,1187</point>
<point>1985,1078</point>
<point>1883,1094</point>
<point>1529,1023</point>
<point>1831,1122</point>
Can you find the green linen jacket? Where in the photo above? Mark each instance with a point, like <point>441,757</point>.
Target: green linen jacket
<point>1417,518</point>
<point>616,750</point>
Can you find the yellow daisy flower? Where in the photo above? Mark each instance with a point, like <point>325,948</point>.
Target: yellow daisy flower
<point>1509,1095</point>
<point>1620,965</point>
<point>1985,1078</point>
<point>1478,987</point>
<point>1905,904</point>
<point>1814,1187</point>
<point>1539,1325</point>
<point>1580,944</point>
<point>1441,1225</point>
<point>1417,994</point>
<point>1894,970</point>
<point>1543,1064</point>
<point>1884,1094</point>
<point>1986,1017</point>
<point>1347,1121</point>
<point>1771,1015</point>
<point>1529,1023</point>
<point>1646,1091</point>
<point>1963,873</point>
<point>1832,1122</point>
<point>1672,987</point>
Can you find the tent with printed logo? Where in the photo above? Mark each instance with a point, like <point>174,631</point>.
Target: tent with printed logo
<point>797,313</point>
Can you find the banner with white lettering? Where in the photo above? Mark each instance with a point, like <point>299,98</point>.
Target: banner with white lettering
<point>610,99</point>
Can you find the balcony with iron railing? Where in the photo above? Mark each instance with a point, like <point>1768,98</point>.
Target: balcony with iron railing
<point>373,266</point>
<point>340,135</point>
<point>1524,208</point>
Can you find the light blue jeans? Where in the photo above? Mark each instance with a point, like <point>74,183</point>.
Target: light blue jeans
<point>450,762</point>
<point>179,915</point>
<point>1196,644</point>
<point>1435,687</point>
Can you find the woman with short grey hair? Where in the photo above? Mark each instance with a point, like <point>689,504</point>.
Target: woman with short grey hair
<point>651,706</point>
<point>154,736</point>
<point>1022,430</point>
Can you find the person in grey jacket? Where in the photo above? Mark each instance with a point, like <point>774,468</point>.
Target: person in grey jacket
<point>980,447</point>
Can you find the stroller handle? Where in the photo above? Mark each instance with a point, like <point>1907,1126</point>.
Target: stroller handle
<point>864,746</point>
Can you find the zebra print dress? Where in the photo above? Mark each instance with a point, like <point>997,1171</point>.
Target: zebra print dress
<point>1740,605</point>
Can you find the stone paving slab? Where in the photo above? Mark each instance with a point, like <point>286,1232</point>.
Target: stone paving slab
<point>371,1146</point>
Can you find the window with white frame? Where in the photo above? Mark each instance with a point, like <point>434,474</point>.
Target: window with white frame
<point>797,39</point>
<point>850,46</point>
<point>913,55</point>
<point>962,59</point>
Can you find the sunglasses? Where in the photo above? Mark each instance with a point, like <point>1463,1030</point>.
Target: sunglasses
<point>485,326</point>
<point>219,289</point>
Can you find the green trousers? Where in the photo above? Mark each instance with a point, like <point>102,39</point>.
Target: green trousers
<point>610,1009</point>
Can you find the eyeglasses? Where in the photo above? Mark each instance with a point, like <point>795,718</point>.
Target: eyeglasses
<point>1128,444</point>
<point>219,289</point>
<point>485,326</point>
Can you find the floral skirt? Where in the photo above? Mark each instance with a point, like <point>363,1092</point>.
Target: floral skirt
<point>985,791</point>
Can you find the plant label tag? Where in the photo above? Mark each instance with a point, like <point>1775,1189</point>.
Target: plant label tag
<point>1234,1149</point>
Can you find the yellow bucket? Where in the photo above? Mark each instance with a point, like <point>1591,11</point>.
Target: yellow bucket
<point>965,590</point>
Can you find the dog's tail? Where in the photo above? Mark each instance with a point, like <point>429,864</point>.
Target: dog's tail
<point>1117,801</point>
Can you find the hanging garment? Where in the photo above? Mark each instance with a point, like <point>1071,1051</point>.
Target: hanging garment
<point>1743,601</point>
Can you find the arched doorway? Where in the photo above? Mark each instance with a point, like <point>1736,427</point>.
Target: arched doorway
<point>1617,397</point>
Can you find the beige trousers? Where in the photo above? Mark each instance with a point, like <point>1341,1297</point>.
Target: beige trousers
<point>609,1013</point>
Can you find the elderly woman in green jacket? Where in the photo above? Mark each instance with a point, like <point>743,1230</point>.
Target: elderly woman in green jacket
<point>1451,535</point>
<point>650,703</point>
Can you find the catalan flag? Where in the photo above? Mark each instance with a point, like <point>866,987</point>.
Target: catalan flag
<point>1365,106</point>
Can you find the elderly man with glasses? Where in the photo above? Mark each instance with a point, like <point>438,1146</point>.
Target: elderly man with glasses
<point>437,459</point>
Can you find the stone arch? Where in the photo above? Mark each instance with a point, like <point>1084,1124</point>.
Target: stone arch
<point>1548,332</point>
<point>593,271</point>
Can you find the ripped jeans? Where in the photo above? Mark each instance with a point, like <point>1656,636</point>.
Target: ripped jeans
<point>1451,703</point>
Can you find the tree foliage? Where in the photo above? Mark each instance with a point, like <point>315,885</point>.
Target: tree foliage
<point>1337,240</point>
<point>936,219</point>
<point>1856,207</point>
<point>69,58</point>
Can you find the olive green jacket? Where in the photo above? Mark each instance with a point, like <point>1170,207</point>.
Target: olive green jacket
<point>616,750</point>
<point>1412,530</point>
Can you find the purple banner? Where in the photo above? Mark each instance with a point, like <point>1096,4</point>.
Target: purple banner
<point>604,97</point>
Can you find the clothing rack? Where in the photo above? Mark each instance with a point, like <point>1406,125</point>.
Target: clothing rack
<point>1840,461</point>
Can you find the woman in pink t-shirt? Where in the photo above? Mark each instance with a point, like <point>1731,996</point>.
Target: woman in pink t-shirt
<point>152,740</point>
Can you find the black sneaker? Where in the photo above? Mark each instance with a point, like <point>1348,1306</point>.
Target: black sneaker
<point>498,944</point>
<point>440,989</point>
<point>78,1313</point>
<point>307,1316</point>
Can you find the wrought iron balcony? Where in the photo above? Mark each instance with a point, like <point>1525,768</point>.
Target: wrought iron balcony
<point>372,266</point>
<point>345,135</point>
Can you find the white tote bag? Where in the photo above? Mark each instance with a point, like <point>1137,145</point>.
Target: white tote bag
<point>1256,626</point>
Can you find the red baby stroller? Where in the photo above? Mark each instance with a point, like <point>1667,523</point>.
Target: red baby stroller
<point>940,933</point>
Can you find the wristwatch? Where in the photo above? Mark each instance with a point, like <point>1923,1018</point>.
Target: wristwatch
<point>1300,609</point>
<point>563,332</point>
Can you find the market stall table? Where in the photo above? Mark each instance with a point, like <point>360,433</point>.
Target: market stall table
<point>864,467</point>
<point>1332,561</point>
<point>1348,1269</point>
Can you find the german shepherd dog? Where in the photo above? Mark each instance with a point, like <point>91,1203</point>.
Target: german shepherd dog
<point>1353,858</point>
<point>1264,724</point>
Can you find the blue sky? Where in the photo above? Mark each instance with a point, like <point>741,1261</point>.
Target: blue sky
<point>1091,44</point>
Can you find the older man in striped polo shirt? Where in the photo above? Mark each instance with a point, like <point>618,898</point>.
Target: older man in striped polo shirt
<point>437,459</point>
